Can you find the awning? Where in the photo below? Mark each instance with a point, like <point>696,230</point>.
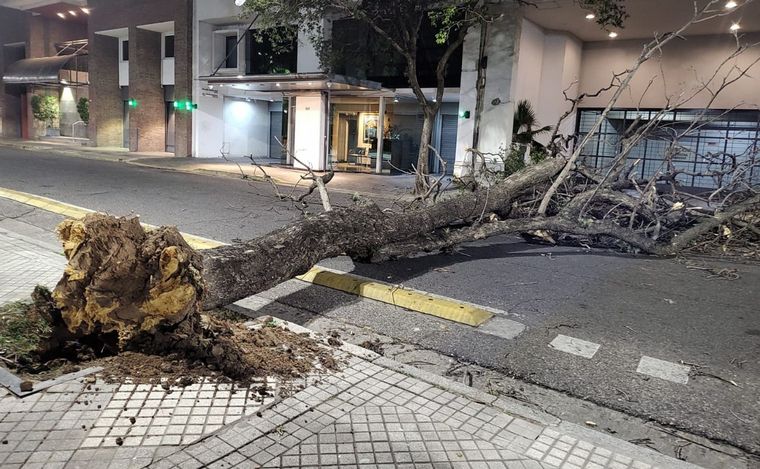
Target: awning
<point>44,70</point>
<point>295,82</point>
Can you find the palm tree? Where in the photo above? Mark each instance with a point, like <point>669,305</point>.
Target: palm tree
<point>524,123</point>
<point>523,132</point>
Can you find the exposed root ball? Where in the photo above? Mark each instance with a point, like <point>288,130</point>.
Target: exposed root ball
<point>120,278</point>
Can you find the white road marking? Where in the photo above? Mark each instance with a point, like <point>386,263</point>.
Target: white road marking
<point>574,346</point>
<point>502,327</point>
<point>664,370</point>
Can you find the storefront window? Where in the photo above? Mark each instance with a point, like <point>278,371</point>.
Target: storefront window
<point>354,129</point>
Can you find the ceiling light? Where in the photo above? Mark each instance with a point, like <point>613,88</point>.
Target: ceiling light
<point>211,87</point>
<point>735,27</point>
<point>277,85</point>
<point>240,77</point>
<point>613,34</point>
<point>86,11</point>
<point>72,13</point>
<point>731,4</point>
<point>395,100</point>
<point>62,15</point>
<point>590,16</point>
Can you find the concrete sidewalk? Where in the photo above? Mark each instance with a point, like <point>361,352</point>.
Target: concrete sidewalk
<point>374,185</point>
<point>375,412</point>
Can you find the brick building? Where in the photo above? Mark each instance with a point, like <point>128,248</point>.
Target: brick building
<point>141,59</point>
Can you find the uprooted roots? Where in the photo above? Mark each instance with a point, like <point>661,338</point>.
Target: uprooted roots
<point>37,343</point>
<point>234,350</point>
<point>120,278</point>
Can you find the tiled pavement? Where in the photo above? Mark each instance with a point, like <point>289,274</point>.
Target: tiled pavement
<point>376,413</point>
<point>370,416</point>
<point>24,265</point>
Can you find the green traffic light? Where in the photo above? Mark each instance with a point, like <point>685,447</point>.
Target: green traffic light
<point>132,102</point>
<point>185,105</point>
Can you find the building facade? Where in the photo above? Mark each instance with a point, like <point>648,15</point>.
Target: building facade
<point>42,55</point>
<point>196,78</point>
<point>141,53</point>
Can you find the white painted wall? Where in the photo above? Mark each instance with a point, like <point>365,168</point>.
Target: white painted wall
<point>467,100</point>
<point>548,63</point>
<point>214,9</point>
<point>495,125</point>
<point>686,63</point>
<point>571,77</point>
<point>167,63</point>
<point>208,126</point>
<point>530,60</point>
<point>123,66</point>
<point>246,127</point>
<point>307,60</point>
<point>167,71</point>
<point>203,49</point>
<point>310,125</point>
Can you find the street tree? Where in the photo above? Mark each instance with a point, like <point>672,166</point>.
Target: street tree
<point>398,27</point>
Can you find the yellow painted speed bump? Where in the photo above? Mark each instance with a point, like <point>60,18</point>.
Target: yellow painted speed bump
<point>74,211</point>
<point>408,298</point>
<point>399,296</point>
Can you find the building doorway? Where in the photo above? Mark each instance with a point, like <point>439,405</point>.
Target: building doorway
<point>448,144</point>
<point>170,128</point>
<point>276,133</point>
<point>125,125</point>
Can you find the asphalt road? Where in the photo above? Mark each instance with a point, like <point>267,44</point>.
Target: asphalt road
<point>630,306</point>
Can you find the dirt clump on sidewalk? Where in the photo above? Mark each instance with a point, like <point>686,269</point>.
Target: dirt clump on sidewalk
<point>30,348</point>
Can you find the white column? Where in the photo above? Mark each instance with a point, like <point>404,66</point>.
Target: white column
<point>495,127</point>
<point>380,133</point>
<point>309,134</point>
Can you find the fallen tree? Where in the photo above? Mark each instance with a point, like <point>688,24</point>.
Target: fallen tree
<point>120,278</point>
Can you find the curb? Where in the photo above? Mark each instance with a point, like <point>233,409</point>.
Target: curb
<point>408,298</point>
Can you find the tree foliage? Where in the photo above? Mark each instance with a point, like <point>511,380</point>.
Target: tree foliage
<point>83,108</point>
<point>607,12</point>
<point>45,108</point>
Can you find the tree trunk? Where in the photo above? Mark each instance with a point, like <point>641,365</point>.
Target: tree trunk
<point>121,279</point>
<point>422,181</point>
